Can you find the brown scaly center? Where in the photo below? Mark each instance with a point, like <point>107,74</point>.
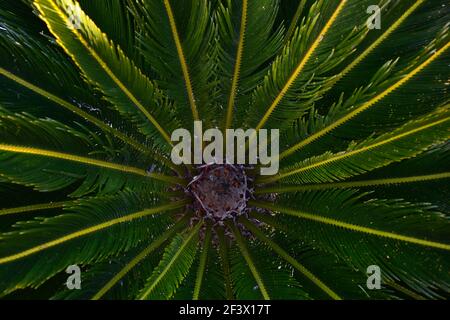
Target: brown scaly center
<point>220,192</point>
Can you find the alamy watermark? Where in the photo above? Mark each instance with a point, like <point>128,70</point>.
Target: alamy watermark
<point>74,17</point>
<point>208,147</point>
<point>374,21</point>
<point>73,282</point>
<point>374,277</point>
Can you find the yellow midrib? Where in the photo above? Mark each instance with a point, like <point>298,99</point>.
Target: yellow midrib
<point>34,207</point>
<point>92,229</point>
<point>356,184</point>
<point>102,64</point>
<point>290,259</point>
<point>404,290</point>
<point>202,264</point>
<point>116,133</point>
<point>184,66</point>
<point>251,265</point>
<point>223,253</point>
<point>380,39</point>
<point>364,106</point>
<point>74,109</point>
<point>352,227</point>
<point>351,153</point>
<point>87,161</point>
<point>144,253</point>
<point>301,65</point>
<point>237,67</point>
<point>172,261</point>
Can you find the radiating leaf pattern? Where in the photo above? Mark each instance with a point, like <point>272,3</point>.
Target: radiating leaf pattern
<point>88,105</point>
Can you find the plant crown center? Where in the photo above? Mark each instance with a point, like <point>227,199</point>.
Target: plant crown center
<point>220,192</point>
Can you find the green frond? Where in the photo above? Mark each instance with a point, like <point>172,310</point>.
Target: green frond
<point>173,267</point>
<point>34,207</point>
<point>101,273</point>
<point>249,273</point>
<point>38,250</point>
<point>63,86</point>
<point>354,227</point>
<point>260,286</point>
<point>399,24</point>
<point>329,275</point>
<point>176,41</point>
<point>356,184</point>
<point>202,264</point>
<point>407,141</point>
<point>375,43</point>
<point>79,112</point>
<point>120,29</point>
<point>213,282</point>
<point>248,40</point>
<point>297,76</point>
<point>137,259</point>
<point>212,287</point>
<point>392,234</point>
<point>225,263</point>
<point>272,245</point>
<point>394,104</point>
<point>39,141</point>
<point>107,68</point>
<point>430,171</point>
<point>295,20</point>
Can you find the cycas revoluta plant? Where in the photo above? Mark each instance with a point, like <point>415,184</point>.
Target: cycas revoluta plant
<point>92,90</point>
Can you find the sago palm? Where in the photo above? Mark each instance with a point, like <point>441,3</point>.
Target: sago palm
<point>91,92</point>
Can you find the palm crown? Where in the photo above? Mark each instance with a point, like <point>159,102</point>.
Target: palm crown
<point>92,90</point>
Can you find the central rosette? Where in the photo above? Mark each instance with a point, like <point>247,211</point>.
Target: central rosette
<point>220,191</point>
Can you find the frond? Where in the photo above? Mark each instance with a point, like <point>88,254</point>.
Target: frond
<point>40,248</point>
<point>58,156</point>
<point>291,261</point>
<point>392,234</point>
<point>107,68</point>
<point>212,287</point>
<point>297,76</point>
<point>120,29</point>
<point>93,91</point>
<point>399,22</point>
<point>402,143</point>
<point>274,276</point>
<point>173,267</point>
<point>202,263</point>
<point>393,103</point>
<point>176,40</point>
<point>247,42</point>
<point>224,254</point>
<point>95,278</point>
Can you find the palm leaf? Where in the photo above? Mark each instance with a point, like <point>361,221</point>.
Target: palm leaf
<point>386,233</point>
<point>174,266</point>
<point>107,67</point>
<point>176,42</point>
<point>38,250</point>
<point>273,276</point>
<point>404,142</point>
<point>245,50</point>
<point>88,105</point>
<point>378,107</point>
<point>23,137</point>
<point>294,84</point>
